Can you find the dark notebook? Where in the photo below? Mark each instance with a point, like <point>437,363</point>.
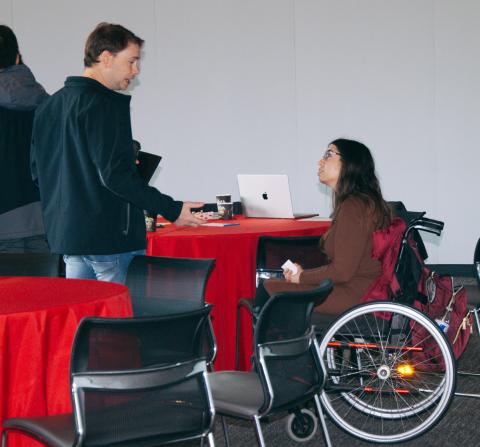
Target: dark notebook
<point>148,163</point>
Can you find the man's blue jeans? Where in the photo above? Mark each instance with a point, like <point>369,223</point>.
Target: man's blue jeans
<point>112,268</point>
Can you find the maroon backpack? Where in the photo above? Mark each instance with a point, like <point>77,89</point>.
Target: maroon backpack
<point>447,305</point>
<point>405,278</point>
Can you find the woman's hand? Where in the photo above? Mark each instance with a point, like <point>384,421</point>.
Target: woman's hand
<point>294,278</point>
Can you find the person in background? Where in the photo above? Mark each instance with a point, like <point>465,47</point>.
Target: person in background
<point>347,167</point>
<point>82,158</point>
<point>21,226</point>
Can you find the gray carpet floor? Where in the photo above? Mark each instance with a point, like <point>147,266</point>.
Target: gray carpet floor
<point>459,426</point>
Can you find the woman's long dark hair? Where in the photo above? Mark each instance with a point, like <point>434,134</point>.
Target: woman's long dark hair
<point>358,178</point>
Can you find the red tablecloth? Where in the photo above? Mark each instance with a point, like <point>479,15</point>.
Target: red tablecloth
<point>233,277</point>
<point>38,320</point>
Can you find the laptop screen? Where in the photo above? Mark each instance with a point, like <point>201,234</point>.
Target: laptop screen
<point>265,195</point>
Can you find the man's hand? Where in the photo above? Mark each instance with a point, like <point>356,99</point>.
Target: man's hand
<point>186,218</point>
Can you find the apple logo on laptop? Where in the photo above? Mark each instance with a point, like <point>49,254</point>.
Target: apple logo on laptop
<point>265,196</point>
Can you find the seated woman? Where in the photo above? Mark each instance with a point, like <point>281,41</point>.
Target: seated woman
<point>347,167</point>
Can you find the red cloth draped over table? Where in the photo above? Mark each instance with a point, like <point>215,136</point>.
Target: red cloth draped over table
<point>233,278</point>
<point>38,320</point>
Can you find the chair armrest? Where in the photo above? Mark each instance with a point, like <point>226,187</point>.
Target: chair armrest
<point>247,303</point>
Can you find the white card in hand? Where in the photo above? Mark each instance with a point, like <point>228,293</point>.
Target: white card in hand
<point>289,265</point>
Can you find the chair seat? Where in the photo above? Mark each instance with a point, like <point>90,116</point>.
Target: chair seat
<point>56,431</point>
<point>236,393</point>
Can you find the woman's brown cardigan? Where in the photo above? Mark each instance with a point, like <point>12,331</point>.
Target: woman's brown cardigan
<point>348,245</point>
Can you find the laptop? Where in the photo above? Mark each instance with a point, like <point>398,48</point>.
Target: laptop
<point>148,163</point>
<point>267,196</point>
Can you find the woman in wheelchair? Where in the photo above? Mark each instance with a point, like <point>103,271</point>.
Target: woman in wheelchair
<point>347,167</point>
<point>390,371</point>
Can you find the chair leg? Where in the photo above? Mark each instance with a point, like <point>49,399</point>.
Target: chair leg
<point>321,416</point>
<point>477,319</point>
<point>4,438</point>
<point>237,336</point>
<point>211,440</point>
<point>258,430</point>
<point>225,431</point>
<point>248,307</point>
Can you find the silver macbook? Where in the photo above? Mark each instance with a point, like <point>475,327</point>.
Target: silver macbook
<point>267,196</point>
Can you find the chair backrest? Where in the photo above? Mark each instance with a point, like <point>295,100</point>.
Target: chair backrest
<point>273,251</point>
<point>161,285</point>
<point>30,264</point>
<point>286,353</point>
<point>141,381</point>
<point>164,286</point>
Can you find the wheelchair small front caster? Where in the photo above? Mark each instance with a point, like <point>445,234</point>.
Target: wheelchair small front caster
<point>301,425</point>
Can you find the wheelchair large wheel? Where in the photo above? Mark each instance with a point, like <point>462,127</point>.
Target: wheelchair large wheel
<point>390,372</point>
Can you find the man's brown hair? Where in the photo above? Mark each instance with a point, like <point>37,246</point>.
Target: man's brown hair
<point>108,37</point>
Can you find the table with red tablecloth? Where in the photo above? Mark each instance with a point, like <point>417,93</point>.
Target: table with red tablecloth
<point>234,248</point>
<point>38,320</point>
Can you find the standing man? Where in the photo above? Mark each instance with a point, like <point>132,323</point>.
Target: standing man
<point>21,226</point>
<point>92,196</point>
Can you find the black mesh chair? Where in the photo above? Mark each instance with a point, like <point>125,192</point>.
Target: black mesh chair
<point>135,382</point>
<point>288,370</point>
<point>165,286</point>
<point>272,252</point>
<point>31,264</point>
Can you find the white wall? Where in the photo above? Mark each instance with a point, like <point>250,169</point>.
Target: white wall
<point>457,125</point>
<point>262,86</point>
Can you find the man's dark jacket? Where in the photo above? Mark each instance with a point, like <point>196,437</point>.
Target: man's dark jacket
<point>82,158</point>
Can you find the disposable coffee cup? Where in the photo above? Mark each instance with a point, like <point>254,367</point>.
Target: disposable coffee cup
<point>150,221</point>
<point>225,206</point>
<point>225,210</point>
<point>224,198</point>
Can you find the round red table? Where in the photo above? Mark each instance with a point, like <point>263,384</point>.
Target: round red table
<point>233,278</point>
<point>38,320</point>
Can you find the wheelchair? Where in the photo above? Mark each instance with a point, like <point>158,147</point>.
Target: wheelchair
<point>384,385</point>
